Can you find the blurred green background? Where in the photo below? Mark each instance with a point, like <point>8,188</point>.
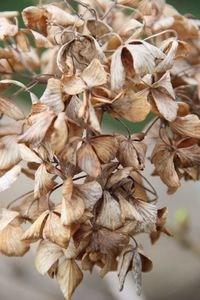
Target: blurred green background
<point>184,6</point>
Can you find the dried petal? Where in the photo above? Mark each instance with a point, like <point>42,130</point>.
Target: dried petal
<point>87,160</point>
<point>69,277</point>
<point>43,182</point>
<point>10,241</point>
<point>9,178</point>
<point>47,254</point>
<point>110,214</point>
<point>10,109</point>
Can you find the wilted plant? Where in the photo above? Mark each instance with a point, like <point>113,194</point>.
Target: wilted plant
<point>126,58</point>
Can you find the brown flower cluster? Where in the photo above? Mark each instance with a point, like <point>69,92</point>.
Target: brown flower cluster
<point>126,58</point>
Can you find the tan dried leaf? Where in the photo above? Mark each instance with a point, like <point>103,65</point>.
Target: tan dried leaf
<point>33,16</point>
<point>9,178</point>
<point>69,276</point>
<point>34,232</point>
<point>40,40</point>
<point>105,147</point>
<point>55,231</point>
<point>143,56</point>
<point>47,255</point>
<point>110,214</point>
<point>90,192</point>
<point>88,113</point>
<point>7,28</point>
<point>28,155</point>
<point>130,259</point>
<point>52,96</point>
<point>62,17</point>
<point>128,211</point>
<point>35,134</point>
<point>9,153</point>
<point>60,133</point>
<point>43,182</point>
<point>10,109</point>
<point>10,241</point>
<point>94,74</point>
<point>130,106</point>
<point>87,160</point>
<point>73,85</point>
<point>72,204</point>
<point>7,216</point>
<point>148,212</point>
<point>115,178</point>
<point>131,153</point>
<point>163,159</point>
<point>187,126</point>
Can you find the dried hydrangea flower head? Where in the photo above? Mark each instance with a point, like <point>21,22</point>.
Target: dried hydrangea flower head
<point>127,58</point>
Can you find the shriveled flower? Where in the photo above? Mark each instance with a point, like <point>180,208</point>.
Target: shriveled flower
<point>94,62</point>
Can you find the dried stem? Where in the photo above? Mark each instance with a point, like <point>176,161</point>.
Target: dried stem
<point>109,10</point>
<point>151,125</point>
<point>18,198</point>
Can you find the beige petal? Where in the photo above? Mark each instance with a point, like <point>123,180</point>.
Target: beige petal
<point>28,155</point>
<point>7,216</point>
<point>10,109</point>
<point>105,147</point>
<point>117,70</point>
<point>94,74</point>
<point>163,159</point>
<point>43,182</point>
<point>36,133</point>
<point>46,255</point>
<point>144,56</point>
<point>55,231</point>
<point>34,232</point>
<point>168,62</point>
<point>69,276</point>
<point>88,113</point>
<point>90,192</point>
<point>52,96</point>
<point>118,176</point>
<point>73,85</point>
<point>7,29</point>
<point>110,214</point>
<point>62,17</point>
<point>164,84</point>
<point>137,272</point>
<point>60,133</point>
<point>33,16</point>
<point>130,106</point>
<point>128,211</point>
<point>132,153</point>
<point>40,40</point>
<point>139,190</point>
<point>10,129</point>
<point>9,178</point>
<point>9,154</point>
<point>187,126</point>
<point>72,204</point>
<point>73,251</point>
<point>124,263</point>
<point>87,160</point>
<point>148,212</point>
<point>10,241</point>
<point>22,41</point>
<point>189,156</point>
<point>166,106</point>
